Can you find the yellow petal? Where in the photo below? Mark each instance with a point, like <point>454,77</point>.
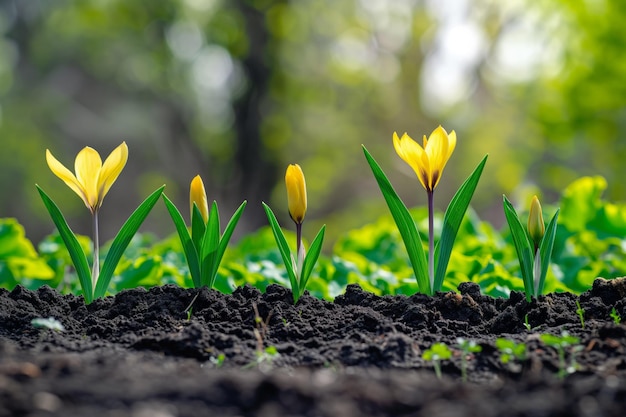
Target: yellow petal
<point>197,195</point>
<point>413,154</point>
<point>296,192</point>
<point>439,151</point>
<point>66,175</point>
<point>87,167</point>
<point>113,166</point>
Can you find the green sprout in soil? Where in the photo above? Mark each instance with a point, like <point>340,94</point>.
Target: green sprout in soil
<point>526,323</point>
<point>561,343</point>
<point>437,353</point>
<point>581,314</point>
<point>617,319</point>
<point>510,350</point>
<point>533,245</point>
<point>299,268</point>
<point>467,347</point>
<point>428,163</point>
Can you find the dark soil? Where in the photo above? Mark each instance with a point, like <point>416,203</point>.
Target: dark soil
<point>139,354</point>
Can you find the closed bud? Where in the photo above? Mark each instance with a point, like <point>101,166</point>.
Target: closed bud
<point>296,192</point>
<point>536,227</point>
<point>197,195</point>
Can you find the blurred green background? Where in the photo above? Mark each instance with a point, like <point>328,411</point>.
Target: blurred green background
<point>234,90</point>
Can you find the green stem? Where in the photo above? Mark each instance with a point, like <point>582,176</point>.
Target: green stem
<point>299,250</point>
<point>96,252</point>
<point>431,239</point>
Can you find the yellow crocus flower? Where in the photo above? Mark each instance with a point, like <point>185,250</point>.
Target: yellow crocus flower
<point>296,193</point>
<point>197,195</point>
<point>428,161</point>
<point>536,227</point>
<point>93,179</point>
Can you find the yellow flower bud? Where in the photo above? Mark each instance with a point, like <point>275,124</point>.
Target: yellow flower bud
<point>536,227</point>
<point>197,195</point>
<point>296,193</point>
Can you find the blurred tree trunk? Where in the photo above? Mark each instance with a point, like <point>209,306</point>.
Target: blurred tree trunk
<point>257,170</point>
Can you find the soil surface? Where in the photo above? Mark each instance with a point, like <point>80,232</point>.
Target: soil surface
<point>146,353</point>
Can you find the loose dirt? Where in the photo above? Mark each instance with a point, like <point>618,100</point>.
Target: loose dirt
<point>173,352</point>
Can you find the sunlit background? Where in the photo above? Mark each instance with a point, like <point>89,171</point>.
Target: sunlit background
<point>235,90</point>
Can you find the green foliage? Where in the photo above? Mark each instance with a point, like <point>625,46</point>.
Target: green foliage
<point>298,273</point>
<point>371,256</point>
<point>19,261</point>
<point>467,347</point>
<point>204,247</point>
<point>581,314</point>
<point>617,319</point>
<point>534,264</point>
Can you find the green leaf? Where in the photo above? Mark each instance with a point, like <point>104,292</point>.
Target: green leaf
<point>210,243</point>
<point>309,261</point>
<point>198,227</point>
<point>522,246</point>
<point>283,247</point>
<point>73,247</point>
<point>452,221</point>
<point>545,250</point>
<point>122,240</point>
<point>190,250</point>
<point>228,232</point>
<point>406,226</point>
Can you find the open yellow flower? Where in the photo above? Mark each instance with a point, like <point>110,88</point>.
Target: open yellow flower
<point>428,161</point>
<point>296,193</point>
<point>197,195</point>
<point>93,179</point>
<point>536,227</point>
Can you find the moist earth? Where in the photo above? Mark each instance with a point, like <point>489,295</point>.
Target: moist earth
<point>170,352</point>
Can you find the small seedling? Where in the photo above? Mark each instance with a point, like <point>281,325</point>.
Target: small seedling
<point>509,350</point>
<point>50,323</point>
<point>617,319</point>
<point>560,343</point>
<point>436,353</point>
<point>467,347</point>
<point>526,323</point>
<point>189,309</point>
<point>218,361</point>
<point>581,314</point>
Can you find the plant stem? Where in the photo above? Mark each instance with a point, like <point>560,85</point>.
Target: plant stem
<point>96,252</point>
<point>431,239</point>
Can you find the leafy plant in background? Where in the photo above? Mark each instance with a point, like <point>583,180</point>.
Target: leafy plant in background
<point>533,245</point>
<point>299,268</point>
<point>203,247</point>
<point>428,163</point>
<point>92,182</point>
<point>19,261</point>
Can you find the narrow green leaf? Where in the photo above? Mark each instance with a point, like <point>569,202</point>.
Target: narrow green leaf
<point>545,250</point>
<point>190,250</point>
<point>228,232</point>
<point>283,247</point>
<point>522,246</point>
<point>452,221</point>
<point>309,261</point>
<point>210,243</point>
<point>406,226</point>
<point>198,227</point>
<point>71,243</point>
<point>122,240</point>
